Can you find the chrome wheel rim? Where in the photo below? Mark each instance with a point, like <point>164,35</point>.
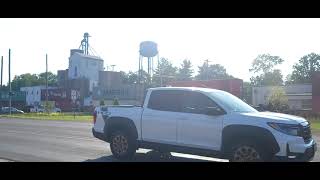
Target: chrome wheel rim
<point>120,144</point>
<point>246,154</point>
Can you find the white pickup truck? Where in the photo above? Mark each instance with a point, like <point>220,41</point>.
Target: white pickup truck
<point>205,122</point>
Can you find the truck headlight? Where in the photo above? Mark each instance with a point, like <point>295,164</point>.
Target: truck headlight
<point>290,129</point>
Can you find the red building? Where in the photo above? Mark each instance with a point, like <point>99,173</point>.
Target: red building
<point>316,92</point>
<point>233,86</point>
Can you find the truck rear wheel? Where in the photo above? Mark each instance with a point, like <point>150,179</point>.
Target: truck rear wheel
<point>122,146</point>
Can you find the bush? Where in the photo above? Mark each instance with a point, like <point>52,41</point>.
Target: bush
<point>278,100</point>
<point>115,102</point>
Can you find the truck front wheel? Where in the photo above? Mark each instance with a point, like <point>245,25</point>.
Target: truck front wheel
<point>122,146</point>
<point>248,152</point>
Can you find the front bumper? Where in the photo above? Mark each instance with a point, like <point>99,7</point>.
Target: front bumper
<point>306,156</point>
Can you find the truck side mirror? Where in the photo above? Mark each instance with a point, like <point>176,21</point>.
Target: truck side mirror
<point>214,111</point>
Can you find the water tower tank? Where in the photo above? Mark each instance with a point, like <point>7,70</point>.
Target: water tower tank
<point>148,49</point>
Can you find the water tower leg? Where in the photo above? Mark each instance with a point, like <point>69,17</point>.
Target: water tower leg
<point>141,64</point>
<point>151,66</point>
<point>139,70</point>
<point>148,65</point>
<point>159,68</point>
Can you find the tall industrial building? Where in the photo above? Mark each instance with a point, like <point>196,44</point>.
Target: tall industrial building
<point>85,66</point>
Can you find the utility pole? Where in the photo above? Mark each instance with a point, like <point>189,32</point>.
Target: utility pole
<point>10,93</point>
<point>47,83</point>
<point>1,70</point>
<point>207,68</point>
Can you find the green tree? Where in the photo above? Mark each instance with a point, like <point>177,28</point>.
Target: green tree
<point>116,102</point>
<point>52,79</point>
<point>268,79</point>
<point>165,72</point>
<point>278,100</point>
<point>215,71</point>
<point>264,72</point>
<point>288,79</point>
<point>102,102</point>
<point>124,77</point>
<point>185,71</point>
<point>24,80</point>
<point>28,79</point>
<point>133,77</point>
<point>303,70</point>
<point>265,63</point>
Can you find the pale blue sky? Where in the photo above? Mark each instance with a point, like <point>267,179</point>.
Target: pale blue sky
<point>233,43</point>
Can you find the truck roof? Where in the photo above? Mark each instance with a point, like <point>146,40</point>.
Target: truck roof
<point>186,88</point>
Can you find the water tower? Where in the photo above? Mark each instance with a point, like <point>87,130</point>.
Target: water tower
<point>149,50</point>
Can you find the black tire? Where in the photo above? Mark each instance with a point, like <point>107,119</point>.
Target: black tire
<point>122,145</point>
<point>247,151</point>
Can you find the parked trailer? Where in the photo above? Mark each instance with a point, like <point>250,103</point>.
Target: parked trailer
<point>62,98</point>
<point>233,86</point>
<point>18,100</point>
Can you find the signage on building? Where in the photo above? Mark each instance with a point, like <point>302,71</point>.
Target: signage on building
<point>114,92</point>
<point>121,92</point>
<point>75,95</point>
<point>62,94</point>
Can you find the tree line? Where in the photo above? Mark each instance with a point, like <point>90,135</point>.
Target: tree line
<point>27,79</point>
<point>167,72</point>
<point>264,72</point>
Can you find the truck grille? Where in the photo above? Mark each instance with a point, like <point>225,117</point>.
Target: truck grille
<point>305,132</point>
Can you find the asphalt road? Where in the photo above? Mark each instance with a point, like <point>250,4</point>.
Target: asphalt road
<point>62,141</point>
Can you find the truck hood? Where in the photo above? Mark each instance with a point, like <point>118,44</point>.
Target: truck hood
<point>276,117</point>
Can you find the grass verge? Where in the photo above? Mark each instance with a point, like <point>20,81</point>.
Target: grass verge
<point>52,116</point>
<point>315,125</point>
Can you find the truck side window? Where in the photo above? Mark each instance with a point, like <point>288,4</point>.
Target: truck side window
<point>165,100</point>
<point>195,102</point>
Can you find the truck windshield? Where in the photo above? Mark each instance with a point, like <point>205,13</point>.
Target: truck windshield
<point>232,102</point>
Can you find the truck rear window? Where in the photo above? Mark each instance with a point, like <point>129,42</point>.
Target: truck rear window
<point>168,100</point>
